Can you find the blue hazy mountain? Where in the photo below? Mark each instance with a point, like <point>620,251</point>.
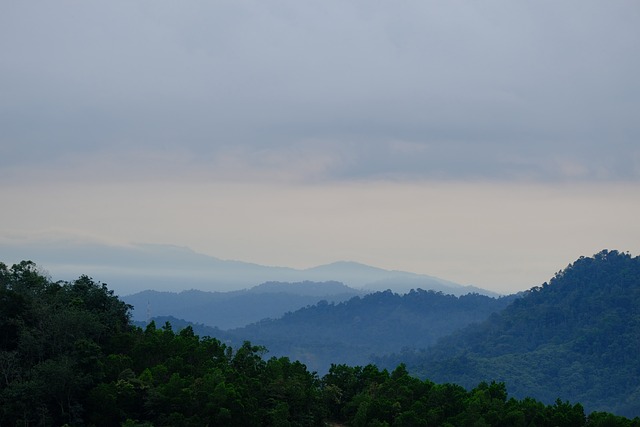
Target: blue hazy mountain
<point>233,309</point>
<point>134,268</point>
<point>378,323</point>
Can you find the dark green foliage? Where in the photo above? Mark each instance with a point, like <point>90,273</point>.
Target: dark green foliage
<point>370,397</point>
<point>68,355</point>
<point>54,338</point>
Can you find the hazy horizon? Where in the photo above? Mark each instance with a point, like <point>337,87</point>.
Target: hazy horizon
<point>132,268</point>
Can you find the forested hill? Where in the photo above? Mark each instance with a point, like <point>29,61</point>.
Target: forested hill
<point>379,323</point>
<point>576,337</point>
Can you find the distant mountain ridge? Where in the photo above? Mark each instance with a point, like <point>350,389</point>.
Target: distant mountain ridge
<point>373,279</point>
<point>234,309</point>
<point>309,288</point>
<point>134,268</point>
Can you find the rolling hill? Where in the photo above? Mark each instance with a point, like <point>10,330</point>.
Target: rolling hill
<point>379,323</point>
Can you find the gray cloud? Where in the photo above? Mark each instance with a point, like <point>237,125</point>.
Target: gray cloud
<point>334,90</point>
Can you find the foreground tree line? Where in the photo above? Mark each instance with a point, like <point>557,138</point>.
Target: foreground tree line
<point>69,355</point>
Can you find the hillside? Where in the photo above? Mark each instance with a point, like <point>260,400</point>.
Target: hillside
<point>234,309</point>
<point>379,323</point>
<point>576,337</point>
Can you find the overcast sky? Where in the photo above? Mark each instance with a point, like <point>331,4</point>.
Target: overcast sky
<point>488,143</point>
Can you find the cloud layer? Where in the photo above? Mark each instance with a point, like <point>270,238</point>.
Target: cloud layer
<point>334,90</point>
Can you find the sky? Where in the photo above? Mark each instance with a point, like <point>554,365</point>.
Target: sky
<point>487,143</point>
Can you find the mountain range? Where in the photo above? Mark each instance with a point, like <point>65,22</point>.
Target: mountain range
<point>138,267</point>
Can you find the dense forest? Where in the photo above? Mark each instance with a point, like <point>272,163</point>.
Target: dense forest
<point>577,336</point>
<point>69,355</point>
